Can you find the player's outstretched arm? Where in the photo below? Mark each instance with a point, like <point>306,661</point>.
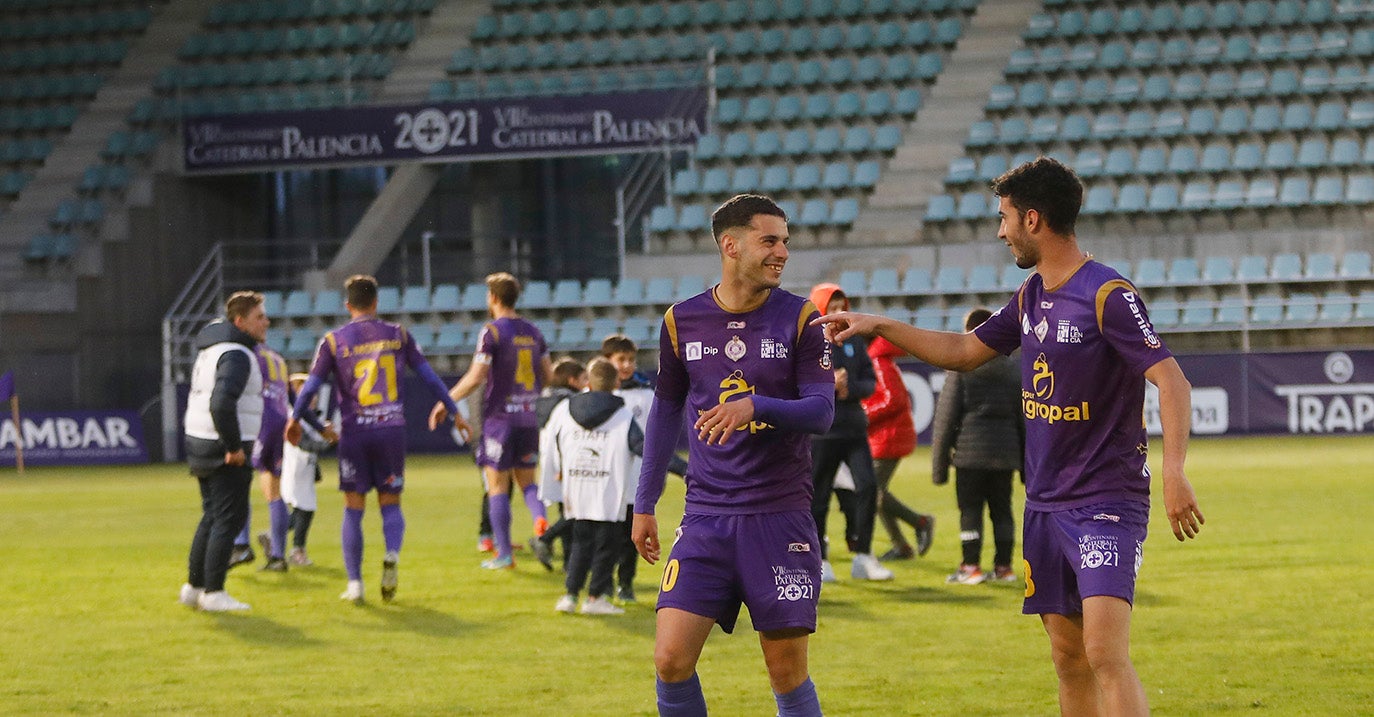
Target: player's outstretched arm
<point>476,376</point>
<point>644,533</point>
<point>1175,416</point>
<point>945,349</point>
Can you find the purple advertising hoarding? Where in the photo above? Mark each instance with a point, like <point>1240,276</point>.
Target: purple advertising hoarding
<point>450,131</point>
<point>60,438</point>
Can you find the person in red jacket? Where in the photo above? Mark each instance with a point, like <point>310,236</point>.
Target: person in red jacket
<point>892,436</point>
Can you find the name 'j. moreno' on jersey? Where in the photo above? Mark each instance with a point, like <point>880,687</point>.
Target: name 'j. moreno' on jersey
<point>1085,346</point>
<point>366,357</point>
<point>709,355</point>
<point>515,350</point>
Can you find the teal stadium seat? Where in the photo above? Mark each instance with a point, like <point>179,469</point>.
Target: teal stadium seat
<point>1356,265</point>
<point>1218,270</point>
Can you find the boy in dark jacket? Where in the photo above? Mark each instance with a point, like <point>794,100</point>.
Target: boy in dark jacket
<point>978,429</point>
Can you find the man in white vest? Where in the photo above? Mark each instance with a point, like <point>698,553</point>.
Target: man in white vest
<point>590,451</point>
<point>223,415</point>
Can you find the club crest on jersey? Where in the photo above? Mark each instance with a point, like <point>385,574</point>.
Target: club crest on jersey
<point>1042,329</point>
<point>735,349</point>
<point>734,324</point>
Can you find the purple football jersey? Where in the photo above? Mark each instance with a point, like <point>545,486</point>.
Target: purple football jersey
<point>1084,348</point>
<point>366,357</point>
<point>707,355</point>
<point>515,350</point>
<point>275,393</point>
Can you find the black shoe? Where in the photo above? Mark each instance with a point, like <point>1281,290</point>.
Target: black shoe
<point>274,565</point>
<point>242,554</point>
<point>543,552</point>
<point>626,596</point>
<point>898,553</point>
<point>925,534</point>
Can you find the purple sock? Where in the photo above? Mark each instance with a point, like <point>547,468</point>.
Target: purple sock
<point>244,535</point>
<point>393,527</point>
<point>800,702</point>
<point>500,523</point>
<point>681,699</point>
<point>281,519</point>
<point>532,502</point>
<point>353,543</point>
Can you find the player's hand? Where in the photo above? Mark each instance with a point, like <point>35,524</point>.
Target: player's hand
<point>644,533</point>
<point>463,427</point>
<point>844,324</point>
<point>329,434</point>
<point>1181,505</point>
<point>437,416</point>
<point>719,423</point>
<point>236,458</point>
<point>293,432</point>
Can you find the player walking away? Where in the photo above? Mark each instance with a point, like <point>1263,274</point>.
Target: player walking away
<point>365,358</point>
<point>756,379</point>
<point>1085,341</point>
<point>512,359</point>
<point>223,414</point>
<point>891,437</point>
<point>267,454</point>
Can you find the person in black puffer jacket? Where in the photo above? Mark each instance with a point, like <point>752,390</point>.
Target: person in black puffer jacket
<point>979,430</point>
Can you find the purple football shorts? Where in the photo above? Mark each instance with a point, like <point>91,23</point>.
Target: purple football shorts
<point>504,446</point>
<point>1080,553</point>
<point>372,458</point>
<point>267,450</point>
<point>769,562</point>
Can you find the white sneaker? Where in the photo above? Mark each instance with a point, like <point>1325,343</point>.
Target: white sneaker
<point>354,592</point>
<point>600,606</point>
<point>828,573</point>
<point>219,601</point>
<point>567,604</point>
<point>190,597</point>
<point>299,558</point>
<point>867,567</point>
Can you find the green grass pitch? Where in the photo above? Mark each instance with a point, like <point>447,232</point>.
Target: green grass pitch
<point>1267,613</point>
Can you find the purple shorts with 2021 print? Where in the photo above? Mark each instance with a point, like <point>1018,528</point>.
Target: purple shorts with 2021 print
<point>770,562</point>
<point>1084,552</point>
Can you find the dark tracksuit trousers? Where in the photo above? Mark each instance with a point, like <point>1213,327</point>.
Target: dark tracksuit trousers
<point>595,549</point>
<point>224,508</point>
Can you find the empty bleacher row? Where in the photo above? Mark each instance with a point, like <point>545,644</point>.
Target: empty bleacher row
<point>1166,108</point>
<point>813,94</point>
<point>1184,294</point>
<point>55,57</point>
<point>251,55</point>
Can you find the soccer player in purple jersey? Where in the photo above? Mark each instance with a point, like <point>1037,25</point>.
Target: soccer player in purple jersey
<point>512,359</point>
<point>267,453</point>
<point>1086,341</point>
<point>365,358</point>
<point>756,380</point>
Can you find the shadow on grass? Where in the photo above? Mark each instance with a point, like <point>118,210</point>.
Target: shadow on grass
<point>419,620</point>
<point>259,630</point>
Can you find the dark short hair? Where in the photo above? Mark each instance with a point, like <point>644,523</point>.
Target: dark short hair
<point>565,370</point>
<point>975,318</point>
<point>505,287</point>
<point>740,210</point>
<point>241,303</point>
<point>360,291</point>
<point>601,375</point>
<point>617,343</point>
<point>1047,186</point>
